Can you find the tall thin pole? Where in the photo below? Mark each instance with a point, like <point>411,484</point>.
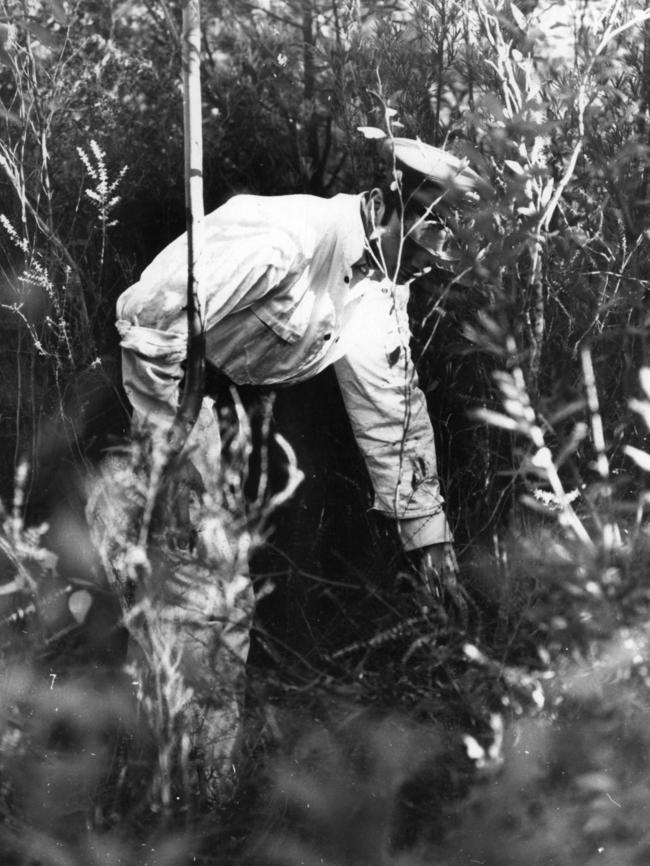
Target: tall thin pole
<point>194,214</point>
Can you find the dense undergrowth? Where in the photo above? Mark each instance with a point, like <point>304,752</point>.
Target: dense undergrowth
<point>377,728</point>
<point>520,736</point>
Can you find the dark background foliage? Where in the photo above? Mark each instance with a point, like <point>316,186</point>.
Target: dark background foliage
<point>560,265</point>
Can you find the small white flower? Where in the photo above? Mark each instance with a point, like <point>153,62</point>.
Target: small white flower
<point>554,502</point>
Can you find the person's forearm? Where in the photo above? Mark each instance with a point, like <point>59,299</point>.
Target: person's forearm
<point>388,413</point>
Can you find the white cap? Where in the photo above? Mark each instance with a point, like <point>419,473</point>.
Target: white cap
<point>440,167</point>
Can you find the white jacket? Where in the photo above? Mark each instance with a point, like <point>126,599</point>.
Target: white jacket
<point>285,298</point>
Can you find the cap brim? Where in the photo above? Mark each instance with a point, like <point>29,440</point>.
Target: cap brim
<point>440,167</point>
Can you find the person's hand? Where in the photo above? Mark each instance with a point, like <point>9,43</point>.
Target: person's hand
<point>438,573</point>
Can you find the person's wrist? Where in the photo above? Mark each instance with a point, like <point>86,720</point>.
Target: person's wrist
<point>421,532</point>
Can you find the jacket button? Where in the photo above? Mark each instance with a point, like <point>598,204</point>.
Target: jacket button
<point>327,336</point>
<point>346,279</point>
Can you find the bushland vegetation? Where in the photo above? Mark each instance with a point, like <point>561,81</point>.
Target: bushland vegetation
<point>377,731</point>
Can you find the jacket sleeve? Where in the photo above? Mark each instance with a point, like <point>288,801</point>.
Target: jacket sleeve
<point>389,415</point>
<point>242,264</point>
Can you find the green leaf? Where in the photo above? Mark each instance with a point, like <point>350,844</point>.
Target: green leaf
<point>495,419</point>
<point>44,36</point>
<point>514,166</point>
<point>79,603</point>
<point>58,12</point>
<point>644,379</point>
<point>7,35</point>
<point>520,18</point>
<point>547,192</point>
<point>641,458</point>
<point>643,409</point>
<point>371,132</point>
